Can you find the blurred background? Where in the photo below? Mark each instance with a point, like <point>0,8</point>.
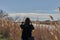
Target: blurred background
<point>44,15</point>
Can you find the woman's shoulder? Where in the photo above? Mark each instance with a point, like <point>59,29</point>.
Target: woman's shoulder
<point>31,24</point>
<point>22,25</point>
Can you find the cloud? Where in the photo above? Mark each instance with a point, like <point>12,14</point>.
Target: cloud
<point>39,15</point>
<point>55,10</point>
<point>47,11</point>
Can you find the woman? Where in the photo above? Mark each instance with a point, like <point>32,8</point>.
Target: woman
<point>27,28</point>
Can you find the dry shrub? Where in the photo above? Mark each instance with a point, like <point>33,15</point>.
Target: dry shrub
<point>45,33</point>
<point>41,33</point>
<point>9,29</point>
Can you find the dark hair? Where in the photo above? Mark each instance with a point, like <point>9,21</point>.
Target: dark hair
<point>27,20</point>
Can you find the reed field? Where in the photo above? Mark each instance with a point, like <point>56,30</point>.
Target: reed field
<point>12,31</point>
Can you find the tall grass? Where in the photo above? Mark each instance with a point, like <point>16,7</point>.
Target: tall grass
<point>12,31</point>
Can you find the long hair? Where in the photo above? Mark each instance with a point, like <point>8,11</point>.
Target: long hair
<point>27,21</point>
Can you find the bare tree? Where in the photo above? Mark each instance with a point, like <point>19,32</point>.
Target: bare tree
<point>3,14</point>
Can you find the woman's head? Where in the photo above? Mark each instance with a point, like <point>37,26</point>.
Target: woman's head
<point>27,20</point>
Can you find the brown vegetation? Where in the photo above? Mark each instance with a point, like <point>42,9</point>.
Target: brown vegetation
<point>13,31</point>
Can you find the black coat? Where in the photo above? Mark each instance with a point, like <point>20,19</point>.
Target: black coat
<point>27,30</point>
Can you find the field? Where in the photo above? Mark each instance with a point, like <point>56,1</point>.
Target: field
<point>12,31</point>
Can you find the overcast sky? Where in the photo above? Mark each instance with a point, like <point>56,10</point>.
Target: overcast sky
<point>30,6</point>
